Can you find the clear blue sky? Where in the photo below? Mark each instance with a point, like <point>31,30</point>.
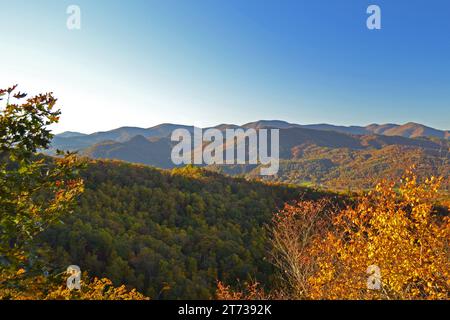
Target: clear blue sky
<point>205,62</point>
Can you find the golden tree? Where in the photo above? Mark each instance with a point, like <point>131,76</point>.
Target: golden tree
<point>394,232</point>
<point>391,243</point>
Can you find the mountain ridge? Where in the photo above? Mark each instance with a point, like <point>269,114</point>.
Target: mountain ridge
<point>75,140</point>
<point>322,155</point>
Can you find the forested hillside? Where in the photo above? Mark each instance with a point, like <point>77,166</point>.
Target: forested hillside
<point>346,169</point>
<point>336,160</point>
<point>182,233</point>
<point>170,234</point>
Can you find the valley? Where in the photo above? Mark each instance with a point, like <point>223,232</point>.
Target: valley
<point>324,156</point>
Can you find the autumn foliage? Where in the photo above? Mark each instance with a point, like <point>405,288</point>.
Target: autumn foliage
<point>396,230</point>
<point>389,243</point>
<point>31,287</point>
<point>295,231</point>
<point>250,291</point>
<point>35,193</point>
<point>323,252</point>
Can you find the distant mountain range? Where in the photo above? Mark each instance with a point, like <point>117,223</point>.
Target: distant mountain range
<point>79,141</point>
<point>320,154</point>
<point>408,130</point>
<point>153,146</point>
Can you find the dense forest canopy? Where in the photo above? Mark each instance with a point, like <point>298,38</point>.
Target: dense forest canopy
<point>35,192</point>
<point>189,233</point>
<point>170,234</point>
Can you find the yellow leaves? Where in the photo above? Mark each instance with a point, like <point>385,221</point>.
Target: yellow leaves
<point>396,231</point>
<point>20,272</point>
<point>98,289</point>
<point>41,288</point>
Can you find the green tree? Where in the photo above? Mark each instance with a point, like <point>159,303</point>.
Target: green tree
<point>34,190</point>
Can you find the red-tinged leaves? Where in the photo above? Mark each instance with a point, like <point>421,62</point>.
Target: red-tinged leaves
<point>20,95</point>
<point>34,191</point>
<point>9,90</point>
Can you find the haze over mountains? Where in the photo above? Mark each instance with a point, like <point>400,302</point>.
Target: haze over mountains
<point>79,141</point>
<point>153,146</point>
<point>333,156</point>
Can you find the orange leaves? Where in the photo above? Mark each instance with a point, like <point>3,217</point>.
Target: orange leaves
<point>251,291</point>
<point>20,272</point>
<point>396,231</point>
<point>44,288</point>
<point>295,231</point>
<point>226,293</point>
<point>97,289</point>
<point>324,252</point>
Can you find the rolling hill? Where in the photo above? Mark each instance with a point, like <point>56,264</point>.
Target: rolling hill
<point>170,234</point>
<point>78,141</point>
<point>329,156</point>
<point>151,151</point>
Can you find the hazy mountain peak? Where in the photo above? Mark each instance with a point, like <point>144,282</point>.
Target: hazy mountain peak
<point>79,141</point>
<point>280,124</point>
<point>139,139</point>
<point>70,134</point>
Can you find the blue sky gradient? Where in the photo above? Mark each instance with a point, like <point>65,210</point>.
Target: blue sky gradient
<point>203,62</point>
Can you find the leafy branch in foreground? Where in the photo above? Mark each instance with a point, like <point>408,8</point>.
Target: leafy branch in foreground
<point>35,192</point>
